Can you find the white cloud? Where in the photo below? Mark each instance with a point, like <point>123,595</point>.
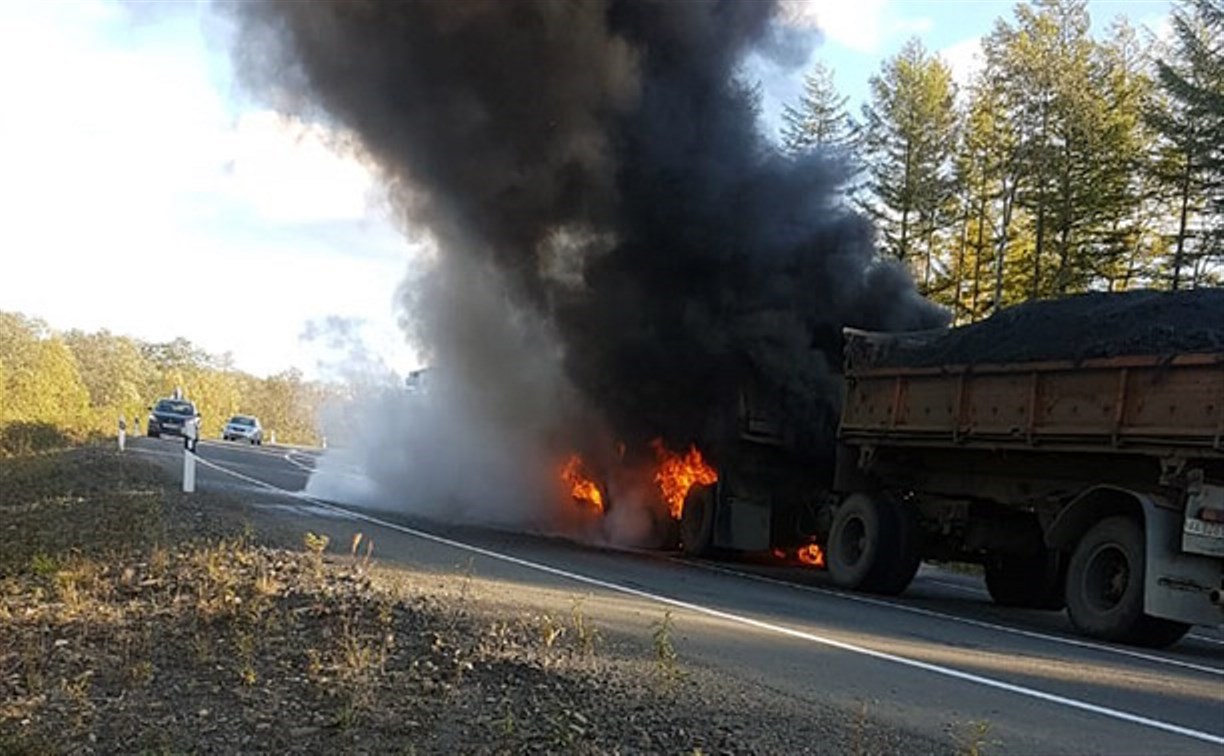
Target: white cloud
<point>863,26</point>
<point>1159,25</point>
<point>291,172</point>
<point>130,178</point>
<point>965,59</point>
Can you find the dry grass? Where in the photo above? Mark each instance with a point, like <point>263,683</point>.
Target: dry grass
<point>123,626</point>
<point>251,633</point>
<point>51,509</point>
<point>974,738</point>
<point>667,662</point>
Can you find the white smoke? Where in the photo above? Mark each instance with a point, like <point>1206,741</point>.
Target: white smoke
<point>481,438</point>
<point>427,454</point>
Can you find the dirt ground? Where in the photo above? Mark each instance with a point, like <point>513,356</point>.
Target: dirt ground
<point>1081,327</point>
<point>135,619</point>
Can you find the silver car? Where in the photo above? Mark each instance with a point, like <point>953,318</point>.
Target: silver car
<point>243,428</point>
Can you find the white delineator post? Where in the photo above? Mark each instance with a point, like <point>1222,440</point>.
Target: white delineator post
<point>189,464</point>
<point>191,434</point>
<point>122,432</point>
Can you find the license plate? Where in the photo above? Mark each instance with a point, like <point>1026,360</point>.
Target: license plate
<point>1208,529</point>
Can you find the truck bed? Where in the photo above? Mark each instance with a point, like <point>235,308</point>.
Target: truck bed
<point>1150,404</point>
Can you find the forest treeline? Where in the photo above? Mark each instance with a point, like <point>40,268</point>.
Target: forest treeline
<point>61,387</point>
<point>1071,162</point>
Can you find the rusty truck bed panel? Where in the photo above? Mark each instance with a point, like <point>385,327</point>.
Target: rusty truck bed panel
<point>1096,405</point>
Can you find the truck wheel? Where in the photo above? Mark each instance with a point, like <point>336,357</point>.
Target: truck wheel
<point>697,521</point>
<point>873,545</point>
<point>1028,581</point>
<point>1105,587</point>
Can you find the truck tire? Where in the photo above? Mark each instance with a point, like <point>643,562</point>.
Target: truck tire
<point>1028,581</point>
<point>1105,587</point>
<point>697,521</point>
<point>873,545</point>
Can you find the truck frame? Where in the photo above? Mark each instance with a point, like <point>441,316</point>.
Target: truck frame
<point>1094,484</point>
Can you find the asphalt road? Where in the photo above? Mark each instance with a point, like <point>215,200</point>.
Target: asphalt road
<point>936,660</point>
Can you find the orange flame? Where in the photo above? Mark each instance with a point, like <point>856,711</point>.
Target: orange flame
<point>582,488</point>
<point>811,555</point>
<point>678,473</point>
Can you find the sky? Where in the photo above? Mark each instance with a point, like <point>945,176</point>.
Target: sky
<point>144,193</point>
<point>859,35</point>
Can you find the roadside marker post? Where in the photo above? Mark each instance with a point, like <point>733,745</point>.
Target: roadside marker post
<point>191,435</point>
<point>189,471</point>
<point>122,432</point>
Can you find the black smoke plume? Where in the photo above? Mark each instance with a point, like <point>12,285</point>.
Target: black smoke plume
<point>610,223</point>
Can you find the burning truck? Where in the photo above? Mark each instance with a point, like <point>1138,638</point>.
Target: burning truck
<point>626,268</point>
<point>1074,448</point>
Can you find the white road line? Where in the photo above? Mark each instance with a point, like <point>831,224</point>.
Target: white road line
<point>334,473</point>
<point>962,620</point>
<point>936,669</point>
<point>289,458</point>
<point>155,452</point>
<point>1205,639</point>
<point>956,586</point>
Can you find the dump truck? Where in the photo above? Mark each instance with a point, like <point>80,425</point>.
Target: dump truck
<point>1090,479</point>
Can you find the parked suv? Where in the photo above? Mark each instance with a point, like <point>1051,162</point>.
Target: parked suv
<point>243,428</point>
<point>168,415</point>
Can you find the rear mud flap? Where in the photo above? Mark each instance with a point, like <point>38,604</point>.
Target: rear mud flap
<point>1177,585</point>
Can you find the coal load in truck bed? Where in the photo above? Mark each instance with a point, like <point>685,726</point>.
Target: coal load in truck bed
<point>1081,327</point>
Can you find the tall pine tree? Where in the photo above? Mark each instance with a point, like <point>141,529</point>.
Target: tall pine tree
<point>1075,104</point>
<point>1191,124</point>
<point>910,127</point>
<point>820,119</point>
<point>984,168</point>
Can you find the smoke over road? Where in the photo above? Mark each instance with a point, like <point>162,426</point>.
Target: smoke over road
<point>618,247</point>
